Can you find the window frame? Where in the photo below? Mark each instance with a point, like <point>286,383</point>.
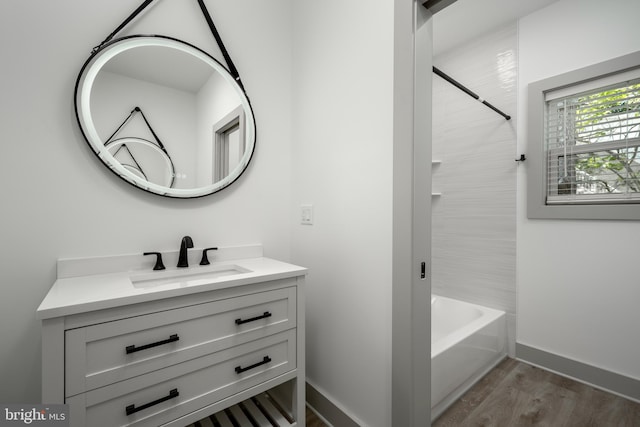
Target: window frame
<point>537,208</point>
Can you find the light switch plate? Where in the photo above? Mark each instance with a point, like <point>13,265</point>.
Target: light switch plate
<point>306,214</point>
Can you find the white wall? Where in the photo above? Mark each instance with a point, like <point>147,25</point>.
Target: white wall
<point>578,289</point>
<point>343,141</point>
<point>58,201</point>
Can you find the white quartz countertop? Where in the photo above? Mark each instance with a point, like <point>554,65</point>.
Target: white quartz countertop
<point>73,295</point>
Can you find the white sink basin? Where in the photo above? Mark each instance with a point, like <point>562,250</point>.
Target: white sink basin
<point>180,278</point>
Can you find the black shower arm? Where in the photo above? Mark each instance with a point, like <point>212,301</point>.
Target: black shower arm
<point>468,92</point>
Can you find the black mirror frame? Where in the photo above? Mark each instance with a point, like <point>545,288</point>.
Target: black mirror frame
<point>232,72</point>
<point>166,191</point>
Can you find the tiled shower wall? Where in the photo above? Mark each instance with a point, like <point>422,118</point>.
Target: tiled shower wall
<point>474,218</point>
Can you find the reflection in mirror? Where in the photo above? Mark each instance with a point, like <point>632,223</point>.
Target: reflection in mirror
<point>198,111</point>
<point>144,159</point>
<point>229,143</point>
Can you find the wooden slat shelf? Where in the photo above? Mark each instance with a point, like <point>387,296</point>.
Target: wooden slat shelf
<point>261,410</point>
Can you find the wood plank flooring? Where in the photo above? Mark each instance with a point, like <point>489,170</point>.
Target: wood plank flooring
<point>517,394</point>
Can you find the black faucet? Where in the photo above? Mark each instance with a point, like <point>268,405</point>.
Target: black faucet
<point>183,260</point>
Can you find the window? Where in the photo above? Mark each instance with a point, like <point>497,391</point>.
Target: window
<point>592,143</point>
<point>584,143</point>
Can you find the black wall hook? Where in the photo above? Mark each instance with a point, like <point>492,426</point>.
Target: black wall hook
<point>521,159</point>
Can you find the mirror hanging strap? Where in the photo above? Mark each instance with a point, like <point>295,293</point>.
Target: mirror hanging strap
<point>136,165</point>
<point>216,35</point>
<point>155,136</point>
<point>207,16</point>
<point>124,24</point>
<point>126,120</point>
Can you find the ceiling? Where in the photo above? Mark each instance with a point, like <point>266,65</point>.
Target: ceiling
<point>467,19</point>
<point>164,66</point>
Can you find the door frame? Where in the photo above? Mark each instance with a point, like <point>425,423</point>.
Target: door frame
<point>411,288</point>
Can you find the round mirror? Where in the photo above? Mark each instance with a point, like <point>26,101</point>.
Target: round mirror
<point>165,116</point>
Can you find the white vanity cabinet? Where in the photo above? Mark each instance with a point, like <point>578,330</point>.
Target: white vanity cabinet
<point>232,347</point>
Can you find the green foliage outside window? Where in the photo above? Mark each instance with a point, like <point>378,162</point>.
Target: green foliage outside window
<point>610,116</point>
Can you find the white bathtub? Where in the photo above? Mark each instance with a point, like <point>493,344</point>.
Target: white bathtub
<point>467,341</point>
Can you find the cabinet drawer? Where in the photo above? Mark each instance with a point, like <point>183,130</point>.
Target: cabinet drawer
<point>106,353</point>
<point>161,396</point>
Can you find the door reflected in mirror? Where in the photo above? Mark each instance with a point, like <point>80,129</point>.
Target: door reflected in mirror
<point>195,133</point>
<point>229,143</point>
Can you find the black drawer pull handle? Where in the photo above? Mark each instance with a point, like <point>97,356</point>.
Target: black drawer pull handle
<point>265,360</point>
<point>131,409</point>
<point>133,348</point>
<point>253,319</point>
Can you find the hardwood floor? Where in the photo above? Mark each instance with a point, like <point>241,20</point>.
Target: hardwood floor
<point>516,394</point>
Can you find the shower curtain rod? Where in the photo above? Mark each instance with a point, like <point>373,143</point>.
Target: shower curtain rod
<point>469,92</point>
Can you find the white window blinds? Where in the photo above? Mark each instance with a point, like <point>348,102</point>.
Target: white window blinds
<point>593,143</point>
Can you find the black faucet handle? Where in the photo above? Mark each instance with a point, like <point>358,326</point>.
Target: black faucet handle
<point>159,265</point>
<point>205,259</point>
